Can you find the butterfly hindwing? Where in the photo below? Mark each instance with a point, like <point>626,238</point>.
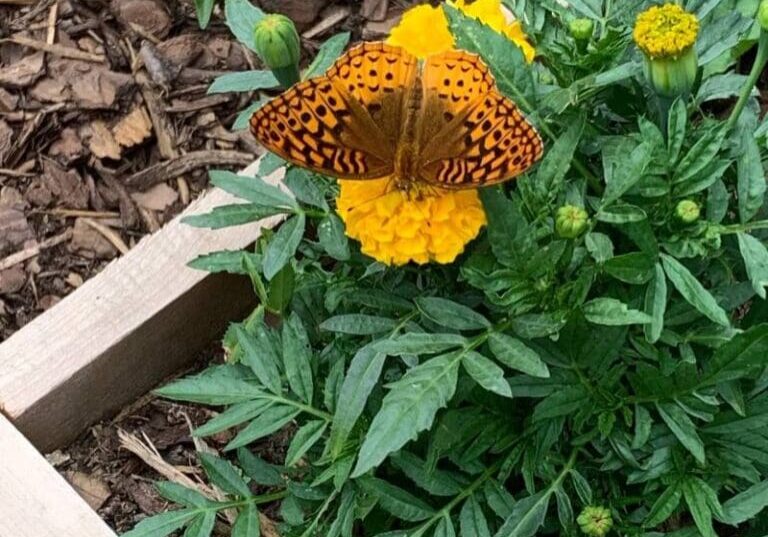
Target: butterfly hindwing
<point>483,137</point>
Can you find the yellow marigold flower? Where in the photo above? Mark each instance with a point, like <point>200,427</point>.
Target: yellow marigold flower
<point>395,228</point>
<point>423,30</point>
<point>428,224</point>
<point>665,31</point>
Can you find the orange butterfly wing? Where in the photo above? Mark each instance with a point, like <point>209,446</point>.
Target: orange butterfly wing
<point>346,122</point>
<point>473,136</point>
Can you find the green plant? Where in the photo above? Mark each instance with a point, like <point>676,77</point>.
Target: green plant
<point>621,364</point>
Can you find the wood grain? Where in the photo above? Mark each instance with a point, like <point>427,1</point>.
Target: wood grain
<point>143,318</point>
<point>35,501</point>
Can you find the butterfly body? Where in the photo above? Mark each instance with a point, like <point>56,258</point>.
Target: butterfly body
<point>379,112</point>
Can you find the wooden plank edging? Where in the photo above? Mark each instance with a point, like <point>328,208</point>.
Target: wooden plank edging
<point>35,501</point>
<point>141,319</point>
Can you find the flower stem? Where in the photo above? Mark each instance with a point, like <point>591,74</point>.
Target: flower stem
<point>760,60</point>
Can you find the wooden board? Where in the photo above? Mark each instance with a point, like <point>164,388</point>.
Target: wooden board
<point>35,501</point>
<point>143,318</point>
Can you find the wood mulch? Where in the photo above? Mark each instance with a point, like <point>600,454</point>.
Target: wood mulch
<point>106,129</point>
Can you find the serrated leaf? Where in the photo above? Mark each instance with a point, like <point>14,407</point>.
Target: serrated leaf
<point>253,189</point>
<point>363,374</point>
<point>230,261</point>
<point>409,408</point>
<point>643,424</point>
<point>181,495</point>
<point>419,343</point>
<point>304,186</point>
<point>683,428</point>
<point>242,17</point>
<point>257,469</point>
<point>751,184</point>
<point>328,52</point>
<point>297,358</point>
<point>630,172</point>
<point>306,437</point>
<point>202,526</point>
<point>515,354</point>
<point>527,516</point>
<point>560,403</point>
<point>445,527</point>
<point>612,312</point>
<point>270,421</point>
<point>358,324</point>
<point>330,233</point>
<point>655,304</point>
<point>247,523</point>
<point>747,504</point>
<point>755,257</point>
<point>211,390</point>
<point>557,160</point>
<point>692,291</point>
<point>224,475</point>
<point>259,356</point>
<point>397,501</point>
<point>696,500</point>
<point>676,127</point>
<point>451,314</point>
<point>744,353</point>
<point>599,246</point>
<point>283,245</point>
<point>243,81</point>
<point>472,521</point>
<point>436,482</point>
<point>621,213</point>
<point>163,524</point>
<point>633,268</point>
<point>233,416</point>
<point>699,156</point>
<point>664,506</point>
<point>232,215</point>
<point>486,373</point>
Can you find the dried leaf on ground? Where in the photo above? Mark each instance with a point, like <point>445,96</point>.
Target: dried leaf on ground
<point>23,72</point>
<point>12,280</point>
<point>68,147</point>
<point>101,142</point>
<point>89,243</point>
<point>92,489</point>
<point>150,15</point>
<point>157,198</point>
<point>86,84</point>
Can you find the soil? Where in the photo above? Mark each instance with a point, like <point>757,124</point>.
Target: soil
<point>93,92</point>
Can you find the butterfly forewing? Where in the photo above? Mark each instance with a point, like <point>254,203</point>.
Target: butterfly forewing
<point>483,137</point>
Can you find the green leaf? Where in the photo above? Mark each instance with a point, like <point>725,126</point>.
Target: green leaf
<point>676,126</point>
<point>397,501</point>
<point>162,524</point>
<point>683,428</point>
<point>664,506</point>
<point>418,343</point>
<point>253,189</point>
<point>224,475</point>
<point>436,482</point>
<point>625,176</point>
<point>744,353</point>
<point>408,408</point>
<point>655,304</point>
<point>557,160</point>
<point>486,373</point>
<point>297,358</point>
<point>750,175</point>
<point>692,291</point>
<point>527,516</point>
<point>703,180</point>
<point>260,357</point>
<point>747,504</point>
<point>634,268</point>
<point>505,59</point>
<point>281,289</point>
<point>755,257</point>
<point>202,526</point>
<point>612,312</point>
<point>328,52</point>
<point>643,424</point>
<point>257,469</point>
<point>358,324</point>
<point>472,520</point>
<point>591,9</point>
<point>233,416</point>
<point>242,17</point>
<point>621,213</point>
<point>305,187</point>
<point>247,523</point>
<point>270,421</point>
<point>508,232</point>
<point>561,403</point>
<point>515,354</point>
<point>230,261</point>
<point>306,437</point>
<point>363,374</point>
<point>182,495</point>
<point>533,325</point>
<point>244,81</point>
<point>283,245</point>
<point>599,246</point>
<point>211,390</point>
<point>696,499</point>
<point>203,10</point>
<point>699,156</point>
<point>332,237</point>
<point>451,314</point>
<point>243,119</point>
<point>231,215</point>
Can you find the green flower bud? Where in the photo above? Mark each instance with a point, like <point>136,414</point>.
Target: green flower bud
<point>595,521</point>
<point>673,76</point>
<point>581,30</point>
<point>688,211</point>
<point>277,43</point>
<point>571,221</point>
<point>762,15</point>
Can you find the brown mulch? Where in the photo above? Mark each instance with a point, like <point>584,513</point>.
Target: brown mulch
<point>100,101</point>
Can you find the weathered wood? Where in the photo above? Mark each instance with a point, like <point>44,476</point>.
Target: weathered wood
<point>35,501</point>
<point>143,318</point>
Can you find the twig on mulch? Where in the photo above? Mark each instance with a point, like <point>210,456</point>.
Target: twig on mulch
<point>32,251</point>
<point>171,169</point>
<point>56,49</point>
<point>75,213</point>
<point>108,234</point>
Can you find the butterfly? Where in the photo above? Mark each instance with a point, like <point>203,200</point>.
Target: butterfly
<point>380,112</point>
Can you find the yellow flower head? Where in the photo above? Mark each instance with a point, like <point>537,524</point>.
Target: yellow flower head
<point>665,31</point>
<point>426,224</point>
<point>395,228</point>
